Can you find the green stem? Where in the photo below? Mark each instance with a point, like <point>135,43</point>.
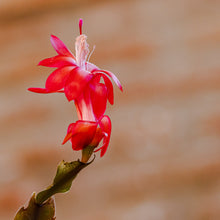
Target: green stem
<point>66,173</point>
<point>42,206</point>
<point>34,211</point>
<point>87,153</point>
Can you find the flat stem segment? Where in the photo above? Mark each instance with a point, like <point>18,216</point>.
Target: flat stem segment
<point>66,173</point>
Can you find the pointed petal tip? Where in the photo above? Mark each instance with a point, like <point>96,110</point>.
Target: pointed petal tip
<point>40,63</point>
<point>102,153</point>
<point>52,36</point>
<point>69,97</point>
<point>111,102</point>
<point>60,47</point>
<point>68,136</point>
<point>118,83</point>
<point>37,90</point>
<point>121,88</point>
<point>40,90</point>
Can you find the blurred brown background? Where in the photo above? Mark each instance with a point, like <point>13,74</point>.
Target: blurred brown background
<point>163,162</point>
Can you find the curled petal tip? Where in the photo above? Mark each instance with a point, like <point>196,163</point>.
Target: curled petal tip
<point>111,75</point>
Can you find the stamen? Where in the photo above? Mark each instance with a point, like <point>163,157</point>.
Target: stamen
<point>91,53</point>
<point>80,25</point>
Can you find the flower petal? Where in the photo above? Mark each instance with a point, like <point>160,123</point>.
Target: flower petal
<point>76,82</point>
<point>39,90</point>
<point>110,74</point>
<point>108,83</point>
<point>97,138</point>
<point>70,132</point>
<point>58,61</point>
<point>105,125</point>
<point>57,78</point>
<point>60,47</point>
<point>98,94</point>
<point>81,134</point>
<point>84,106</point>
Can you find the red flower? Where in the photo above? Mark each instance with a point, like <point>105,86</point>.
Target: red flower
<point>73,73</point>
<point>92,126</point>
<point>87,133</point>
<point>89,87</point>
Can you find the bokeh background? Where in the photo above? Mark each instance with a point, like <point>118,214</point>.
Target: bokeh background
<point>164,157</point>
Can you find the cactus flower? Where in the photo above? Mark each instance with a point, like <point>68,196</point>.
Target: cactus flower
<point>88,86</point>
<point>73,73</point>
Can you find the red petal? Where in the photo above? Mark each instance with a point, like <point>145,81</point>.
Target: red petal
<point>105,125</point>
<point>97,138</point>
<point>78,108</point>
<point>69,132</point>
<point>39,90</point>
<point>57,79</point>
<point>109,85</point>
<point>60,47</point>
<point>81,134</point>
<point>112,75</point>
<point>98,94</point>
<point>58,61</point>
<point>76,82</point>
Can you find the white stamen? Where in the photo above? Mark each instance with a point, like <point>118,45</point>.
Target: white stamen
<point>82,50</point>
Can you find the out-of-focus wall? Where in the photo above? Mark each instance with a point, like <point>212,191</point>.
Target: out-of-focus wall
<point>163,159</point>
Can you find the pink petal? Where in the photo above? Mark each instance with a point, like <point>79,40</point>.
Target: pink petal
<point>76,82</point>
<point>57,78</point>
<point>110,74</point>
<point>105,125</point>
<point>91,67</point>
<point>60,47</point>
<point>58,61</point>
<point>98,94</point>
<point>84,106</point>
